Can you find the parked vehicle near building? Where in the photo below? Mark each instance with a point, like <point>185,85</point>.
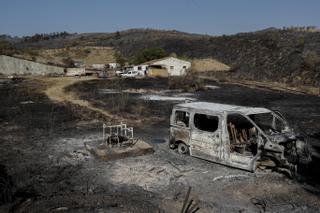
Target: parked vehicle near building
<point>237,136</point>
<point>119,72</point>
<point>130,74</point>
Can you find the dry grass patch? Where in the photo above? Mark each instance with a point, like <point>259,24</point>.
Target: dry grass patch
<point>208,64</point>
<point>90,55</point>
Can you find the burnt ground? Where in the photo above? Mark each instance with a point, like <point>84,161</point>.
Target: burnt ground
<point>42,150</point>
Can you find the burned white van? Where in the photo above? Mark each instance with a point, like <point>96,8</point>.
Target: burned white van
<point>238,136</point>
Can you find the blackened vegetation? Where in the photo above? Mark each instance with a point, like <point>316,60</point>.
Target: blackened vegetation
<point>124,98</point>
<point>6,186</point>
<point>25,105</point>
<point>33,128</point>
<point>36,178</point>
<point>28,120</point>
<point>271,55</point>
<point>45,36</point>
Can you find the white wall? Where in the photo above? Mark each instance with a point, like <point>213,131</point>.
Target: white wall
<point>142,70</point>
<point>11,66</point>
<point>142,67</point>
<point>175,67</point>
<point>98,66</point>
<point>75,71</point>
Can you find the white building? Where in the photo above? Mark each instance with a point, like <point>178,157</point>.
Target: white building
<point>78,63</point>
<point>141,69</point>
<point>78,71</point>
<point>174,66</point>
<point>98,66</point>
<point>113,65</point>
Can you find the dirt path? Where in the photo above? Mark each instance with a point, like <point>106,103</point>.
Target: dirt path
<point>56,92</point>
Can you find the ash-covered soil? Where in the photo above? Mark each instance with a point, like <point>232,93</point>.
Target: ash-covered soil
<point>42,149</point>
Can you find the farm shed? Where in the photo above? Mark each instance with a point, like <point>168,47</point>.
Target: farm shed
<point>141,69</point>
<point>157,71</point>
<point>174,66</point>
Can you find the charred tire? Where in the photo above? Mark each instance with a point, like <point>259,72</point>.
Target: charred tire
<point>183,148</point>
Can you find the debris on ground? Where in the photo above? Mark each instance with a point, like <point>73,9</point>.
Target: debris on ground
<point>188,205</point>
<point>118,142</point>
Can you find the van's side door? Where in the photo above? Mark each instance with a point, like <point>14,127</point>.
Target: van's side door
<point>205,140</point>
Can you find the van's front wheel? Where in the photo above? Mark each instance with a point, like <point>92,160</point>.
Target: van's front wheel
<point>183,148</point>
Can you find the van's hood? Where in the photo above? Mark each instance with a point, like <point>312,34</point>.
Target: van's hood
<point>282,137</point>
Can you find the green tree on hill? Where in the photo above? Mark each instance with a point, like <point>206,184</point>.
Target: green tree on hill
<point>120,59</point>
<point>149,54</point>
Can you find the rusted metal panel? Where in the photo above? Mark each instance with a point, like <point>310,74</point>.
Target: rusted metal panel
<point>181,134</point>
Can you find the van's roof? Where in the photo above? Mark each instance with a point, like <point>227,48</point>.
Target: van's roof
<point>214,107</point>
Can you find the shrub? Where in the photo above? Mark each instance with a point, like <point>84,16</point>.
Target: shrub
<point>189,83</point>
<point>68,62</point>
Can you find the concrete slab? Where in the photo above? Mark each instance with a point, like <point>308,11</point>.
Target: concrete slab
<point>106,153</point>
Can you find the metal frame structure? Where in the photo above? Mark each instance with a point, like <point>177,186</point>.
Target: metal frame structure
<point>116,131</point>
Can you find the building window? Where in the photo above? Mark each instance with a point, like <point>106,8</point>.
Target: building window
<point>205,122</point>
<point>182,118</point>
<point>139,68</point>
<point>184,67</point>
<point>171,67</point>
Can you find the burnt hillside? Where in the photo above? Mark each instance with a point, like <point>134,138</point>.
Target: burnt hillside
<point>287,56</point>
<point>280,55</point>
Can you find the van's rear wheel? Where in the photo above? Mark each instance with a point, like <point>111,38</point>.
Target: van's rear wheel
<point>183,148</point>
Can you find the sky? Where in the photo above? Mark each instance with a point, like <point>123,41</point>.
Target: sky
<point>213,17</point>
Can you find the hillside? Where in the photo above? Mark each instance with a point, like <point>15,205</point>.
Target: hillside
<point>286,56</point>
<point>89,55</point>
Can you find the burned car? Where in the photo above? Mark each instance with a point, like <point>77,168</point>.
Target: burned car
<point>237,136</point>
